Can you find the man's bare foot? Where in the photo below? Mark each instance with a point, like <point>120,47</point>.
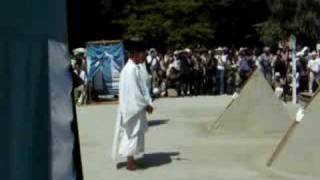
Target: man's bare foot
<point>132,165</point>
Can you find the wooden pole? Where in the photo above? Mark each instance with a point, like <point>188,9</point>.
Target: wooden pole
<point>294,69</point>
<point>288,134</point>
<point>282,143</point>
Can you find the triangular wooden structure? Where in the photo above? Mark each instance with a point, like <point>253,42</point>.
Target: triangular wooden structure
<point>256,111</point>
<point>300,147</point>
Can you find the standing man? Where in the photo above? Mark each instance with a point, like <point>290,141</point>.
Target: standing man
<point>221,60</point>
<point>153,63</point>
<point>265,63</point>
<point>131,123</point>
<point>186,68</point>
<point>81,91</point>
<point>314,69</point>
<point>244,68</point>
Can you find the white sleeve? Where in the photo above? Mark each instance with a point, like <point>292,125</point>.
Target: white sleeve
<point>149,59</point>
<point>84,77</point>
<point>142,86</point>
<point>309,64</point>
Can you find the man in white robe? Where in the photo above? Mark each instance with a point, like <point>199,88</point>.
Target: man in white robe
<point>134,103</point>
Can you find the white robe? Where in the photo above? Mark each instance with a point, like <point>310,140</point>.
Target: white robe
<point>147,78</point>
<point>131,123</point>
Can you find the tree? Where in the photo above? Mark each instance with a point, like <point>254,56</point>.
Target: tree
<point>181,23</point>
<point>176,23</point>
<point>287,17</point>
<point>270,32</point>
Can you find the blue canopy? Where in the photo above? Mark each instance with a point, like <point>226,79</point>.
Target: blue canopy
<point>104,64</point>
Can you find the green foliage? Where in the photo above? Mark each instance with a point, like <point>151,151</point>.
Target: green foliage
<point>181,23</point>
<point>287,17</point>
<point>173,23</point>
<point>270,32</point>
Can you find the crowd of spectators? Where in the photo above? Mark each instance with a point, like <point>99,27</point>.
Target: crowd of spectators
<point>223,70</point>
<point>218,71</point>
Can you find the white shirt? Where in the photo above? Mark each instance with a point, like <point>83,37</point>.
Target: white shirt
<point>314,65</point>
<point>152,60</point>
<point>83,76</point>
<point>222,59</point>
<point>177,64</point>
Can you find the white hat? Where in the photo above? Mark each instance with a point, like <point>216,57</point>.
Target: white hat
<point>187,50</point>
<point>299,54</point>
<point>305,49</point>
<point>266,48</point>
<point>152,50</point>
<point>219,49</point>
<point>242,49</point>
<point>313,53</point>
<point>79,51</point>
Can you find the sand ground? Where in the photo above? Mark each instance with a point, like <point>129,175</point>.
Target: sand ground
<point>178,145</point>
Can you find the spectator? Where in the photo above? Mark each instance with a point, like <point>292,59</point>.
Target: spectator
<point>313,69</point>
<point>221,60</point>
<point>81,90</point>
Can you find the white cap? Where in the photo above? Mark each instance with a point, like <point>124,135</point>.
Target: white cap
<point>299,54</point>
<point>152,50</point>
<point>187,50</point>
<point>79,51</point>
<point>266,48</point>
<point>313,53</point>
<point>305,49</point>
<point>219,49</point>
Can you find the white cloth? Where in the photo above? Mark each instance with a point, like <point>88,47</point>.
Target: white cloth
<point>300,115</point>
<point>131,122</point>
<point>235,95</point>
<point>278,92</point>
<point>132,136</point>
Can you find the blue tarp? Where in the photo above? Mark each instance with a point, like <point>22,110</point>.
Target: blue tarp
<point>104,63</point>
<point>38,132</point>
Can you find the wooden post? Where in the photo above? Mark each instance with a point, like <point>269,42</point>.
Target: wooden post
<point>293,42</point>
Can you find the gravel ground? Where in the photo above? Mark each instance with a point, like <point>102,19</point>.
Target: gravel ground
<point>178,145</point>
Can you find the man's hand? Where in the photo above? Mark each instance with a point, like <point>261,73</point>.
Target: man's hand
<point>149,109</point>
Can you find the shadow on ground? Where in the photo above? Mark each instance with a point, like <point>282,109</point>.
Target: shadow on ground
<point>153,123</point>
<point>154,160</point>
